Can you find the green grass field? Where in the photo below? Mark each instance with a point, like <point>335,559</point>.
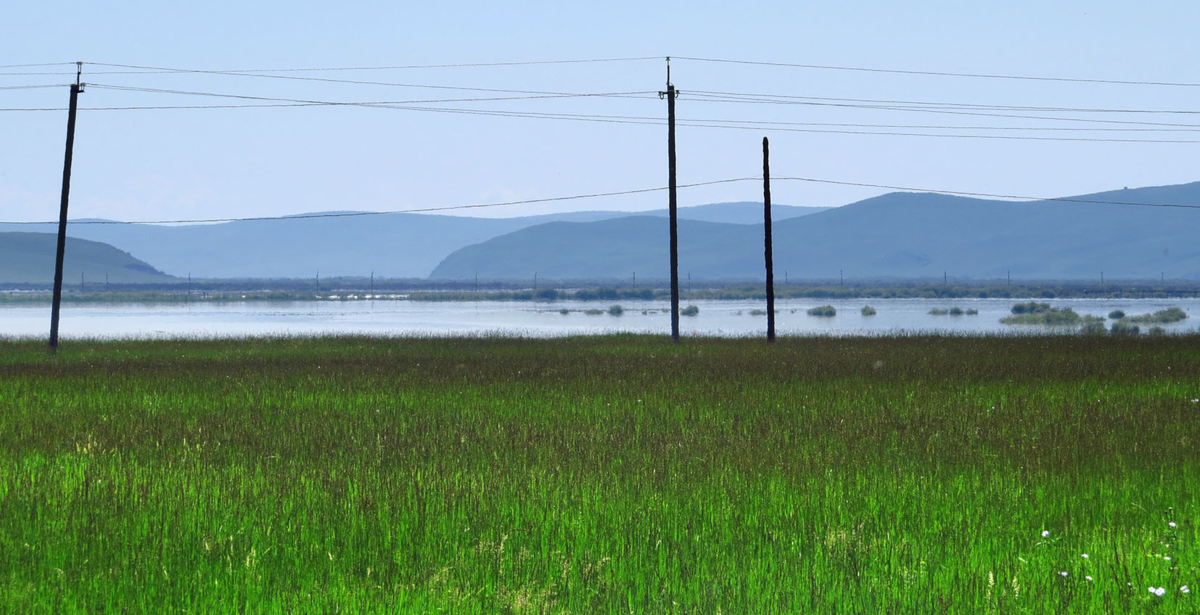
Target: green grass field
<point>601,475</point>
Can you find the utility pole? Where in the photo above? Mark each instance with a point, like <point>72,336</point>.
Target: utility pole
<point>372,283</point>
<point>634,281</point>
<point>106,282</point>
<point>841,278</point>
<point>534,280</point>
<point>670,95</point>
<point>767,241</point>
<point>189,288</point>
<point>82,282</point>
<point>318,282</point>
<point>1009,277</point>
<point>76,88</point>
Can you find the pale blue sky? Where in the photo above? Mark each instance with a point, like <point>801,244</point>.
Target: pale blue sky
<point>168,164</point>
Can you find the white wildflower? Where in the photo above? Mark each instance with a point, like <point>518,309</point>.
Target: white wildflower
<point>1084,556</point>
<point>1185,589</point>
<point>1172,524</point>
<point>1157,591</point>
<point>1088,578</point>
<point>1045,533</point>
<point>1064,573</point>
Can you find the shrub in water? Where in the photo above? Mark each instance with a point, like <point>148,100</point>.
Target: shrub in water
<point>1124,327</point>
<point>1092,325</point>
<point>824,310</point>
<point>564,311</point>
<point>972,312</point>
<point>690,310</point>
<point>593,312</point>
<point>956,311</point>
<point>1166,316</point>
<point>615,310</point>
<point>938,312</point>
<point>868,311</point>
<point>1032,307</point>
<point>1116,314</point>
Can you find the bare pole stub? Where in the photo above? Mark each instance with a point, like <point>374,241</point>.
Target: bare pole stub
<point>670,95</point>
<point>60,252</point>
<point>767,251</point>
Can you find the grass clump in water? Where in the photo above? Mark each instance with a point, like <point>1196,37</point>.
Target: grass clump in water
<point>1163,317</point>
<point>824,311</point>
<point>868,311</point>
<point>690,310</point>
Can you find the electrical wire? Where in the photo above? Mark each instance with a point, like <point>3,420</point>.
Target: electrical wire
<point>357,214</point>
<point>793,99</point>
<point>937,73</point>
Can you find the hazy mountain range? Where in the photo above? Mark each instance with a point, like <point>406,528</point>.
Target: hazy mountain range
<point>391,245</point>
<point>899,235</point>
<point>28,258</point>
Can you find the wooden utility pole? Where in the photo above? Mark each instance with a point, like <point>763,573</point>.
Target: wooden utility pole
<point>670,95</point>
<point>76,88</point>
<point>767,252</point>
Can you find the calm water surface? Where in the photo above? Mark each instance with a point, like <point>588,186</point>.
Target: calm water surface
<point>720,318</point>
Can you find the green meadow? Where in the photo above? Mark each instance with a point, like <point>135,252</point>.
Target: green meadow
<point>619,474</point>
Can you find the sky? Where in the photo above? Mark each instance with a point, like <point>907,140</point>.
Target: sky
<point>173,164</point>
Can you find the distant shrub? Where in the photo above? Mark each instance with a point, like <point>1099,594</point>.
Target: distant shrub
<point>1048,316</point>
<point>1124,327</point>
<point>1092,325</point>
<point>758,312</point>
<point>938,312</point>
<point>595,294</point>
<point>1116,314</point>
<point>823,311</point>
<point>564,311</point>
<point>972,312</point>
<point>690,310</point>
<point>1156,330</point>
<point>956,311</point>
<point>545,294</point>
<point>615,310</point>
<point>593,312</point>
<point>1165,317</point>
<point>1032,307</point>
<point>868,311</point>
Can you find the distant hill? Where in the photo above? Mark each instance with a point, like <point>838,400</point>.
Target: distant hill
<point>392,245</point>
<point>899,235</point>
<point>28,258</point>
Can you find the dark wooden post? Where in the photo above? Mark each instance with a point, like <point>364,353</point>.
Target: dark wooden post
<point>76,88</point>
<point>673,203</point>
<point>767,251</point>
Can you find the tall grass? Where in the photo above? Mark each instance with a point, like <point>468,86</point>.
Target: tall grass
<point>600,475</point>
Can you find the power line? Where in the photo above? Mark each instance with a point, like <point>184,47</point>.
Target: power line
<point>985,194</point>
<point>328,80</point>
<point>30,87</point>
<point>938,73</point>
<point>356,214</point>
<point>161,70</point>
<point>37,65</point>
<point>790,99</point>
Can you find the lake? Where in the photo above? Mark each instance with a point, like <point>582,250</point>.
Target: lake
<point>398,317</point>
